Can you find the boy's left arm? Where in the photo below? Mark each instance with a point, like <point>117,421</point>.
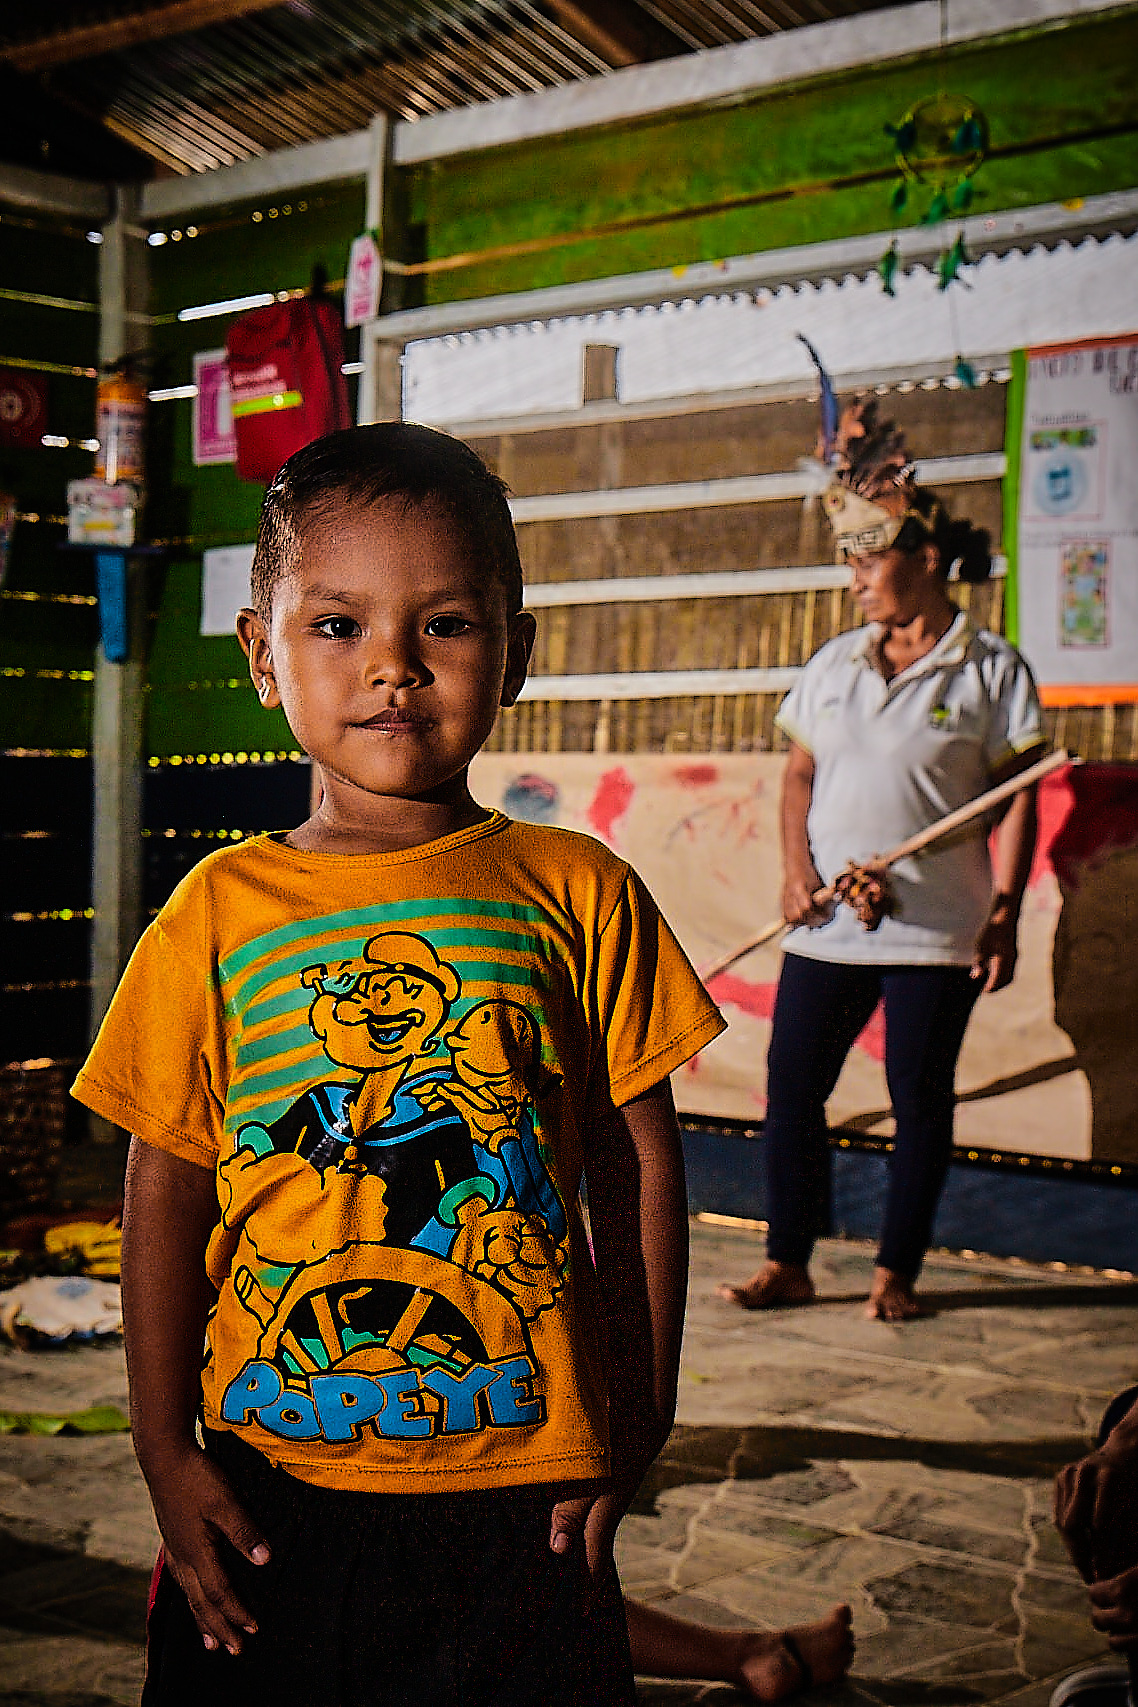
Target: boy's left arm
<point>638,1216</point>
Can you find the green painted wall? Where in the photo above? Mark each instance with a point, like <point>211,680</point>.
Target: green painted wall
<point>40,632</point>
<point>1060,104</point>
<point>48,633</point>
<point>192,706</point>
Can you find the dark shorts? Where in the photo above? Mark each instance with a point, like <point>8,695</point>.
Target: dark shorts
<point>395,1600</point>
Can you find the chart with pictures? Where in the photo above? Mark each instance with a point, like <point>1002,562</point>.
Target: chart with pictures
<point>1074,542</point>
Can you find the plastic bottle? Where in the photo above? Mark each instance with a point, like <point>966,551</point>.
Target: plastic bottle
<point>120,426</point>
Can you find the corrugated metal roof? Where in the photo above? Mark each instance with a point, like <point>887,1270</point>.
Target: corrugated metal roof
<point>195,84</point>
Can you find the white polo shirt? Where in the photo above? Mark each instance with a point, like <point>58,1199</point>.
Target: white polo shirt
<point>890,758</point>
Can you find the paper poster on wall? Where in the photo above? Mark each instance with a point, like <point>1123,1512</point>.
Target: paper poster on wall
<point>364,280</point>
<point>212,415</point>
<point>1076,539</point>
<point>225,586</point>
<point>1050,1065</point>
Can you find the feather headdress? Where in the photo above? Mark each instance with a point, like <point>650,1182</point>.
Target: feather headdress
<point>873,493</point>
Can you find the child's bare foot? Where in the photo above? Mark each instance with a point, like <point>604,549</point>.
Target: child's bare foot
<point>807,1656</point>
<point>891,1298</point>
<point>775,1283</point>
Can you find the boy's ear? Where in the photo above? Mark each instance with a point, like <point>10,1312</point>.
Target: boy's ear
<point>523,632</point>
<point>254,638</point>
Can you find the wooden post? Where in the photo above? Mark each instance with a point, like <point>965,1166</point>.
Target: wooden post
<point>384,377</point>
<point>116,736</point>
<point>381,382</point>
<point>598,373</point>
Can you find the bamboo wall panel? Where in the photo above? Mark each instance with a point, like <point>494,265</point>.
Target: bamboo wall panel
<point>699,541</point>
<point>748,631</point>
<point>744,723</point>
<point>677,542</point>
<point>757,438</point>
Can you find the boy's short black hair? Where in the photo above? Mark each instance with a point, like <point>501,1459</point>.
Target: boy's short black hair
<point>366,465</point>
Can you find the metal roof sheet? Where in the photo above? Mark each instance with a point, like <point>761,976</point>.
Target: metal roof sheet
<point>196,84</point>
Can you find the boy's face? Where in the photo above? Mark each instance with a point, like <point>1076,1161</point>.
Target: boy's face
<point>390,651</point>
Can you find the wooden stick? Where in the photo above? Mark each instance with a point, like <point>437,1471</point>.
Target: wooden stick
<point>923,839</point>
<point>976,808</point>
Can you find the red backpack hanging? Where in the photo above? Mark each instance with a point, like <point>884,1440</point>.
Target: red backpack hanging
<point>285,381</point>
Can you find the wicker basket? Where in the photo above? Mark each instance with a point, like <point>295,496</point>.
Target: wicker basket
<point>33,1101</point>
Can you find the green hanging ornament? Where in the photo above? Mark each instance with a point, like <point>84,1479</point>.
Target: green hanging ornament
<point>965,373</point>
<point>940,142</point>
<point>904,134</point>
<point>951,261</point>
<point>887,268</point>
<point>970,137</point>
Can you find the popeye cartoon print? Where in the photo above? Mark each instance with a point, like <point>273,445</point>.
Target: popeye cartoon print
<point>394,1227</point>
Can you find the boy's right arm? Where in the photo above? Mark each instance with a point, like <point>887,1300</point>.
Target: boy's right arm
<point>170,1210</point>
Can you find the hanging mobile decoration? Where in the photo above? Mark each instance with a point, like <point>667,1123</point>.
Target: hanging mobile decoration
<point>887,268</point>
<point>939,146</point>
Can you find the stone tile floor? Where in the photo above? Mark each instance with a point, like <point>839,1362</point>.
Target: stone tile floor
<point>818,1457</point>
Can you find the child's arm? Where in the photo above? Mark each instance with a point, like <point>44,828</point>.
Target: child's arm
<point>169,1213</point>
<point>638,1216</point>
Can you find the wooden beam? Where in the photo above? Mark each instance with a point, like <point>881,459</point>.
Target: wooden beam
<point>112,35</point>
<point>605,28</point>
<point>47,192</point>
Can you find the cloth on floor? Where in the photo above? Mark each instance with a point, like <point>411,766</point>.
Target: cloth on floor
<point>56,1308</point>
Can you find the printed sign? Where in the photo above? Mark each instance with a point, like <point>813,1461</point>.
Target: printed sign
<point>365,276</point>
<point>214,440</point>
<point>225,586</point>
<point>1076,543</point>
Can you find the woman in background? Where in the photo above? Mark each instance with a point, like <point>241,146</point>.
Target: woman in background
<point>891,726</point>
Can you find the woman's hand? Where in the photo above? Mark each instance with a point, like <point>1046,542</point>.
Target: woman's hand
<point>798,890</point>
<point>799,878</point>
<point>994,957</point>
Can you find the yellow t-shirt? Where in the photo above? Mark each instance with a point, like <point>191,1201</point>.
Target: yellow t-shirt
<point>397,1064</point>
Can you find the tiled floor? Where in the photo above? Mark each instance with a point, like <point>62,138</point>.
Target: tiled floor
<point>819,1457</point>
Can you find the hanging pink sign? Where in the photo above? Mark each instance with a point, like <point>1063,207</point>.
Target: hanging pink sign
<point>365,275</point>
<point>213,417</point>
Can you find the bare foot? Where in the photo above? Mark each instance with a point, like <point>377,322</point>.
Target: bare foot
<point>776,1283</point>
<point>891,1298</point>
<point>769,1669</point>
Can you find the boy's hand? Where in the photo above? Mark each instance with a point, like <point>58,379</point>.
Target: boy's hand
<point>598,1517</point>
<point>1114,1610</point>
<point>1095,1502</point>
<point>197,1512</point>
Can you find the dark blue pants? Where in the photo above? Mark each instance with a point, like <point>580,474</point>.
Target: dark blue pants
<point>820,1008</point>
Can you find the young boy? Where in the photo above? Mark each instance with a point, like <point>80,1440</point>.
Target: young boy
<point>367,1064</point>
